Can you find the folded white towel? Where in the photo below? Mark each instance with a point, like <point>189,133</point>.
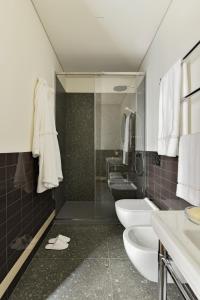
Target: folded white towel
<point>185,104</point>
<point>60,237</point>
<point>126,140</point>
<point>169,111</point>
<point>188,186</point>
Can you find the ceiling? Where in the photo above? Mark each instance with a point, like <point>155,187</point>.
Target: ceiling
<point>101,35</point>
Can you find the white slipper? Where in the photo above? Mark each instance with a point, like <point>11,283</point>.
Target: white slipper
<point>58,245</point>
<point>60,237</point>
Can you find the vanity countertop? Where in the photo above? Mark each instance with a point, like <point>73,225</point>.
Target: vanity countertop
<point>181,238</point>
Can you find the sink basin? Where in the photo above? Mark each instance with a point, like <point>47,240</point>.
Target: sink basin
<point>194,237</point>
<point>117,181</point>
<point>116,175</point>
<point>123,190</point>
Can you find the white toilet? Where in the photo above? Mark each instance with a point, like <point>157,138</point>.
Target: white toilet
<point>134,211</point>
<point>141,245</point>
<point>140,240</point>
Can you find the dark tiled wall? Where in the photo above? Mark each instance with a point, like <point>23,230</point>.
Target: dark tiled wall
<point>137,171</point>
<point>22,210</point>
<point>77,149</point>
<point>162,180</point>
<point>61,127</point>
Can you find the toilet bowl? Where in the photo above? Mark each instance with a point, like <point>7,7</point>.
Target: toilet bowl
<point>140,240</point>
<point>141,245</point>
<point>134,211</point>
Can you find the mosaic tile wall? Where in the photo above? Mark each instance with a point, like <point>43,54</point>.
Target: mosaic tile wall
<point>22,210</point>
<point>60,125</point>
<point>75,125</point>
<point>161,182</point>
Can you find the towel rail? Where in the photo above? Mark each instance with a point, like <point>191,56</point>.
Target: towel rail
<point>191,50</point>
<point>187,97</point>
<point>188,54</point>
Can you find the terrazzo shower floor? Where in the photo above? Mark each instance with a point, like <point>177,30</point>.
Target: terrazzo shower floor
<point>95,266</point>
<point>101,210</point>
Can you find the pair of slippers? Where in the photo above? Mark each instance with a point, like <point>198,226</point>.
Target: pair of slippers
<point>61,242</point>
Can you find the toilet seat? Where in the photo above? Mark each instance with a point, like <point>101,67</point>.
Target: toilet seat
<point>142,237</point>
<point>141,245</point>
<point>133,204</point>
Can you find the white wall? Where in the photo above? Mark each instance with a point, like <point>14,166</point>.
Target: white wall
<point>128,100</point>
<point>108,135</point>
<point>140,119</point>
<point>25,54</point>
<point>176,36</point>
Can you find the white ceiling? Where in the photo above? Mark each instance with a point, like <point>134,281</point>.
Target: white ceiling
<point>101,35</point>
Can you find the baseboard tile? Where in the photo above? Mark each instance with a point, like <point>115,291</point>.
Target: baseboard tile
<point>19,263</point>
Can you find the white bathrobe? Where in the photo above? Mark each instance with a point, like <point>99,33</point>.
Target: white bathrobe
<point>45,142</point>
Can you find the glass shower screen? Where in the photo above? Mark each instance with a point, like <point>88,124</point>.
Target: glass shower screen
<point>91,119</point>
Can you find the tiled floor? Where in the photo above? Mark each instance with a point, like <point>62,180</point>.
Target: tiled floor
<point>95,266</point>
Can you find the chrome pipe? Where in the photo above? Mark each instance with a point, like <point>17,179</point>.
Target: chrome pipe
<point>162,273</point>
<point>184,289</point>
<point>164,267</point>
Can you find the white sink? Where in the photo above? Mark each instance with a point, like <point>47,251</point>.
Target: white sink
<point>194,237</point>
<point>181,238</point>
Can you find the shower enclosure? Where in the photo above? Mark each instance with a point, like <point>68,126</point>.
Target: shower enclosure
<point>96,115</point>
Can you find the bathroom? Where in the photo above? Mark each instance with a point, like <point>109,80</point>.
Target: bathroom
<point>99,163</point>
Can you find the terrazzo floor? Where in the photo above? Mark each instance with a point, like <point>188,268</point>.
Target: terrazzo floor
<point>94,267</point>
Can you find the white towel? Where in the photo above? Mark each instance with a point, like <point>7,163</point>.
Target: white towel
<point>45,142</point>
<point>185,104</point>
<point>169,111</point>
<point>126,139</point>
<point>188,186</point>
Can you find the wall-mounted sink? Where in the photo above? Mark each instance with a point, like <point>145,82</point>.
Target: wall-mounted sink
<point>123,190</point>
<point>194,237</point>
